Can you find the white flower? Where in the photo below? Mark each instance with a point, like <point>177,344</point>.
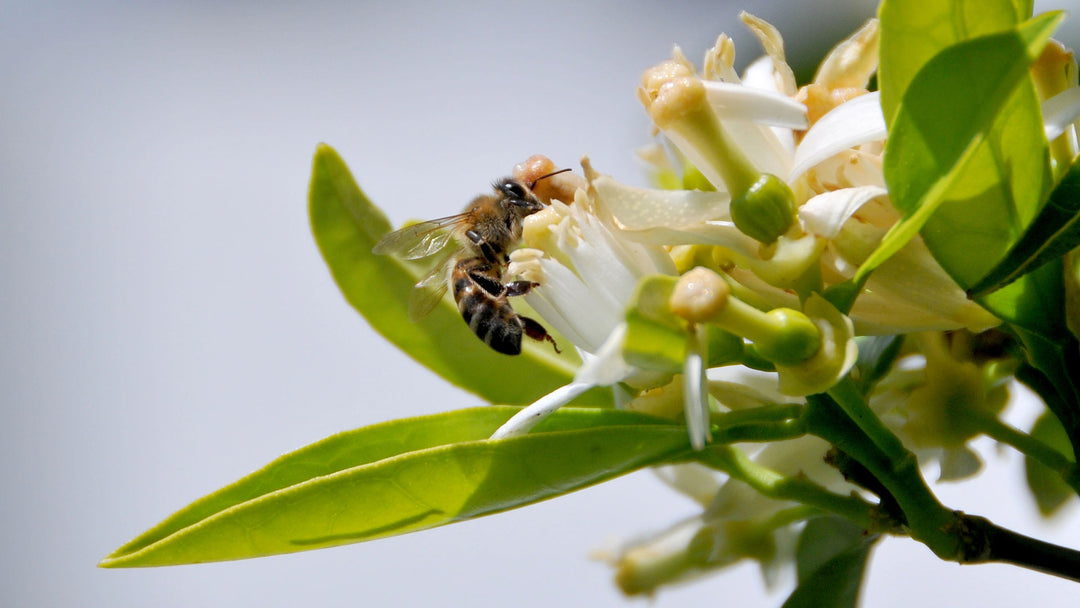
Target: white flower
<point>586,277</point>
<point>834,173</point>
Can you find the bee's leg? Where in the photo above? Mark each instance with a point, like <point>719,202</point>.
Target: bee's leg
<point>481,276</point>
<point>519,288</point>
<point>534,330</point>
<point>491,252</point>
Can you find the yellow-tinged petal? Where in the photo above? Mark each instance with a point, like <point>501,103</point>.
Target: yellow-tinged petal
<point>852,62</point>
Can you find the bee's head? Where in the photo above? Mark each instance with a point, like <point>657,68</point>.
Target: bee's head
<point>517,196</point>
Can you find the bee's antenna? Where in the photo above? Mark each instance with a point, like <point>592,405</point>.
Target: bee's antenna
<point>547,175</point>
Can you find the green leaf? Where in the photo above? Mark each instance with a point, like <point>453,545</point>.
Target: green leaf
<point>1050,371</point>
<point>403,476</point>
<point>1053,233</point>
<point>1047,486</point>
<point>346,226</point>
<point>831,557</point>
<point>967,163</point>
<point>914,31</point>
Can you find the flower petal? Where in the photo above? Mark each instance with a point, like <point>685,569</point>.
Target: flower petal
<point>850,124</point>
<point>739,102</point>
<point>643,208</point>
<point>521,422</point>
<point>834,358</point>
<point>825,214</point>
<point>607,366</point>
<point>1060,111</point>
<point>695,395</point>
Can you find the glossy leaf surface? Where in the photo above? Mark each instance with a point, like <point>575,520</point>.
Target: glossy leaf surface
<point>966,160</point>
<point>403,476</point>
<point>1053,233</point>
<point>913,31</point>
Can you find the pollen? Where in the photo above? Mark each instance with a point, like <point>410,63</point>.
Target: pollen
<point>559,187</point>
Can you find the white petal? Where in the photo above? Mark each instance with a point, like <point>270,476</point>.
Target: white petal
<point>523,421</point>
<point>692,479</point>
<point>739,102</point>
<point>1060,111</point>
<point>567,304</point>
<point>848,125</point>
<point>763,146</point>
<point>911,292</point>
<point>825,214</point>
<point>695,395</point>
<point>643,208</point>
<point>761,75</point>
<point>607,367</point>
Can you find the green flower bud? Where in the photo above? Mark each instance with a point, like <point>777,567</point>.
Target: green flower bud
<point>766,210</point>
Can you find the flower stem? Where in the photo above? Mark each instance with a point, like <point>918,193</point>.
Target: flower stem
<point>844,419</point>
<point>951,535</point>
<point>768,482</point>
<point>765,423</point>
<point>1027,445</point>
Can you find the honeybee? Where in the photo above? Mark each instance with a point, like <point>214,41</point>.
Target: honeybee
<point>479,241</point>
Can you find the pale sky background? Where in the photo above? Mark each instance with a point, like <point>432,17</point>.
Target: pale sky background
<point>167,324</point>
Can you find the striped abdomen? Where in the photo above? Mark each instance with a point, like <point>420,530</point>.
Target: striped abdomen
<point>481,300</point>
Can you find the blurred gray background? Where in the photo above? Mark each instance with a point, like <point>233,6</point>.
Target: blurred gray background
<point>167,324</point>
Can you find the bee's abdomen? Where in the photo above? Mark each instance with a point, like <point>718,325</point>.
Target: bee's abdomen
<point>484,307</point>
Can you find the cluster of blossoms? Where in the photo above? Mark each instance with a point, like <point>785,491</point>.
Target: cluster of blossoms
<point>774,193</point>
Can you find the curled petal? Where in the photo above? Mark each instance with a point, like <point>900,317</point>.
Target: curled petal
<point>850,124</point>
<point>852,62</point>
<point>739,102</point>
<point>607,366</point>
<point>695,395</point>
<point>1060,112</point>
<point>773,44</point>
<point>825,214</point>
<point>521,422</point>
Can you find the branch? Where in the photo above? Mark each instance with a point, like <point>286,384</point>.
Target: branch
<point>951,535</point>
<point>992,543</point>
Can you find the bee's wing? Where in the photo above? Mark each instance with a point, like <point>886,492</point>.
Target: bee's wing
<point>418,240</point>
<point>429,291</point>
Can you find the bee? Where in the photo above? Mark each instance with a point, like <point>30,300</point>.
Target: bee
<point>479,241</point>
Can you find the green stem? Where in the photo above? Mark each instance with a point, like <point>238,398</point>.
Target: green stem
<point>775,485</point>
<point>1029,446</point>
<point>847,396</point>
<point>951,535</point>
<point>766,423</point>
<point>848,423</point>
